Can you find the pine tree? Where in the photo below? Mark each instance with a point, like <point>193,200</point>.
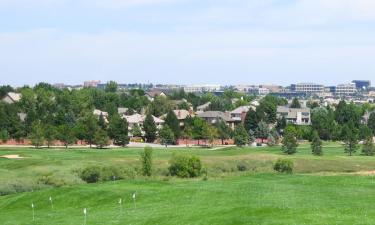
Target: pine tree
<point>136,131</point>
<point>289,142</point>
<point>251,121</point>
<point>118,130</point>
<point>368,147</point>
<point>295,104</point>
<point>350,138</point>
<point>150,129</point>
<point>101,138</point>
<point>316,144</point>
<point>172,121</point>
<point>241,137</point>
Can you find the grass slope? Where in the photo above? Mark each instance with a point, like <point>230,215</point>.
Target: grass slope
<point>257,199</point>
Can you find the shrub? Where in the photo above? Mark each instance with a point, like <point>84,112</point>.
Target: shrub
<point>51,181</point>
<point>185,166</point>
<point>146,159</point>
<point>90,174</point>
<point>109,173</point>
<point>283,166</point>
<point>242,166</point>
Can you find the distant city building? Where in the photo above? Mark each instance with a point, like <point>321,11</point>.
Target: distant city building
<point>91,83</point>
<point>59,85</point>
<point>307,88</point>
<point>345,89</point>
<point>272,88</point>
<point>201,88</point>
<point>362,84</point>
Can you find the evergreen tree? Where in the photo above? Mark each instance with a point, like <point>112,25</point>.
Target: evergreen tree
<point>173,123</point>
<point>251,120</point>
<point>262,130</point>
<point>223,131</point>
<point>295,104</point>
<point>166,136</point>
<point>90,124</point>
<point>136,131</point>
<point>289,142</point>
<point>118,130</point>
<point>350,138</point>
<point>101,138</point>
<point>241,137</point>
<point>316,144</point>
<point>368,147</point>
<point>280,124</point>
<point>371,122</point>
<point>271,141</point>
<point>101,122</point>
<point>150,129</point>
<point>4,135</point>
<point>252,137</point>
<point>146,159</point>
<point>187,133</point>
<point>209,133</point>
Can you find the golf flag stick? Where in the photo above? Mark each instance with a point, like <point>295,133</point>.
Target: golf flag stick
<point>32,206</point>
<point>120,203</point>
<point>50,200</point>
<point>135,204</point>
<point>84,214</point>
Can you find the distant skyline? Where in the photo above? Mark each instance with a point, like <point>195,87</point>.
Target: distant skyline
<point>187,41</point>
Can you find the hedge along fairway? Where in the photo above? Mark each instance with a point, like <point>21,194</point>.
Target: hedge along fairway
<point>257,199</point>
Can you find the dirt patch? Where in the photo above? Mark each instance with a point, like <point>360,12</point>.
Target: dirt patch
<point>11,156</point>
<point>366,173</point>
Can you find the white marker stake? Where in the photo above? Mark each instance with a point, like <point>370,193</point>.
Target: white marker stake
<point>50,200</point>
<point>85,214</point>
<point>32,206</point>
<point>120,202</point>
<point>135,205</point>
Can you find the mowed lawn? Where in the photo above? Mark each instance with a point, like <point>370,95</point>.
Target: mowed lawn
<point>322,190</point>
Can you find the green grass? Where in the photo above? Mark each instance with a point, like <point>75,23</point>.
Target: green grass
<point>319,192</point>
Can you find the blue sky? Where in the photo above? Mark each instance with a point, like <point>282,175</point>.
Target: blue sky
<point>187,41</point>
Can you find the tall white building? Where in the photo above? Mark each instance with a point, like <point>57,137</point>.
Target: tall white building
<point>307,88</point>
<point>346,89</point>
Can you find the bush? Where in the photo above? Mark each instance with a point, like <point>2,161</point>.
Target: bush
<point>283,166</point>
<point>242,166</point>
<point>90,174</point>
<point>51,181</point>
<point>185,166</point>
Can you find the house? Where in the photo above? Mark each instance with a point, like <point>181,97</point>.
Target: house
<point>122,111</point>
<point>151,95</point>
<point>138,119</point>
<point>12,97</point>
<point>298,116</point>
<point>214,116</point>
<point>239,113</point>
<point>203,107</point>
<point>181,115</point>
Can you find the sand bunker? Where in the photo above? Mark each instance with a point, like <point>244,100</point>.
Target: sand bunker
<point>11,156</point>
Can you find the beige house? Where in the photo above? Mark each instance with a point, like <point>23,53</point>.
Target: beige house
<point>214,116</point>
<point>138,119</point>
<point>298,116</point>
<point>12,97</point>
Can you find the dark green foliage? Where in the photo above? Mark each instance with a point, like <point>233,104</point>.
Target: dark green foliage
<point>371,122</point>
<point>368,147</point>
<point>118,130</point>
<point>101,122</point>
<point>101,138</point>
<point>50,134</point>
<point>4,135</point>
<point>173,123</point>
<point>350,138</point>
<point>66,135</point>
<point>111,86</point>
<point>241,137</point>
<point>295,104</point>
<point>283,166</point>
<point>316,144</point>
<point>136,131</point>
<point>146,160</point>
<point>185,166</point>
<point>262,130</point>
<point>150,129</point>
<point>94,174</point>
<point>280,124</point>
<point>37,135</point>
<point>223,131</point>
<point>90,174</point>
<point>289,142</point>
<point>251,120</point>
<point>166,136</point>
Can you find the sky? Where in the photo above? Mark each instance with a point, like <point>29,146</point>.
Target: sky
<point>187,41</point>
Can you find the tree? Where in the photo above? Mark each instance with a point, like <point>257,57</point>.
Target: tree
<point>271,141</point>
<point>90,125</point>
<point>66,135</point>
<point>37,134</point>
<point>146,160</point>
<point>316,144</point>
<point>118,130</point>
<point>241,137</point>
<point>368,147</point>
<point>150,129</point>
<point>136,131</point>
<point>252,137</point>
<point>371,122</point>
<point>223,131</point>
<point>262,130</point>
<point>290,141</point>
<point>50,133</point>
<point>111,86</point>
<point>187,133</point>
<point>197,128</point>
<point>166,136</point>
<point>251,120</point>
<point>101,122</point>
<point>101,138</point>
<point>209,133</point>
<point>173,123</point>
<point>350,138</point>
<point>295,104</point>
<point>4,135</point>
<point>280,124</point>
